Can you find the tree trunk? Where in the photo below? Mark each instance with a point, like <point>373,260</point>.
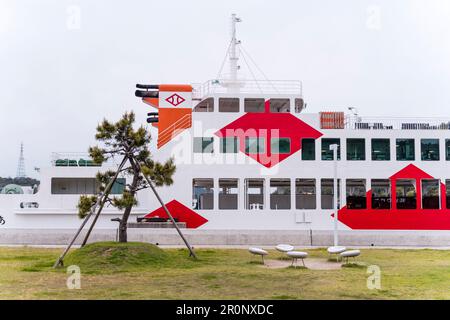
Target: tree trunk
<point>126,214</point>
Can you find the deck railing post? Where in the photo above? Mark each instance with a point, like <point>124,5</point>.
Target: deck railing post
<point>334,148</point>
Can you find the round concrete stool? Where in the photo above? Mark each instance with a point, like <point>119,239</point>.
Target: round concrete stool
<point>258,252</point>
<point>284,247</point>
<point>295,255</point>
<point>336,250</point>
<point>350,254</point>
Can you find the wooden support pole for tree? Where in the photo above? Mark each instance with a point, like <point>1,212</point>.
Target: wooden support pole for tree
<point>100,208</point>
<point>149,181</point>
<point>101,198</point>
<point>102,204</point>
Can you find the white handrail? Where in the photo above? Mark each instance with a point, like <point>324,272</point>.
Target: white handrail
<point>397,123</point>
<point>275,87</point>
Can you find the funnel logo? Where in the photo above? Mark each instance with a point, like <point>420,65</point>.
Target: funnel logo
<point>175,99</point>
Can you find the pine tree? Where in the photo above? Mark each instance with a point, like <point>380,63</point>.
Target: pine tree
<point>121,140</point>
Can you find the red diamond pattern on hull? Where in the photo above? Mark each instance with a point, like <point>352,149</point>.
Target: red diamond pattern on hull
<point>399,219</point>
<point>269,125</point>
<point>180,212</point>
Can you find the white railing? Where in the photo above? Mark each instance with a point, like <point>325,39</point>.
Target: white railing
<point>396,123</point>
<point>210,87</point>
<point>69,155</point>
<point>76,156</point>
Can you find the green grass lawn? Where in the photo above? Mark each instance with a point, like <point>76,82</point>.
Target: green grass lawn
<point>27,273</point>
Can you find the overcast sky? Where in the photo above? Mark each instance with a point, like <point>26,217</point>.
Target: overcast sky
<point>64,65</point>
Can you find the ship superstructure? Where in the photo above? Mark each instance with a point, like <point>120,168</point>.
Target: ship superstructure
<point>250,157</point>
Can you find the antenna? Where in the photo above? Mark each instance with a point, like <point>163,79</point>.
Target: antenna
<point>232,53</point>
<point>21,165</point>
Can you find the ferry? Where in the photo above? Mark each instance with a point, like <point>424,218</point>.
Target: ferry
<point>249,156</point>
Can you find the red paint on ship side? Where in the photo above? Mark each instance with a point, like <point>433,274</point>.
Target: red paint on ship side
<point>269,125</point>
<point>181,212</point>
<point>399,219</point>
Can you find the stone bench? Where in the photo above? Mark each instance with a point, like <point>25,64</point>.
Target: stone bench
<point>295,255</point>
<point>350,254</point>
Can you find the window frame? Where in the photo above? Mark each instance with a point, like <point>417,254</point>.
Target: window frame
<point>210,191</point>
<point>223,144</point>
<point>247,100</point>
<point>203,147</point>
<point>275,100</point>
<point>313,149</point>
<point>247,204</point>
<point>327,151</point>
<point>231,101</point>
<point>237,194</point>
<point>348,143</point>
<point>278,151</point>
<point>259,145</point>
<point>273,201</point>
<point>351,193</point>
<point>302,204</point>
<point>405,196</point>
<point>422,157</point>
<point>209,108</point>
<point>422,193</point>
<point>373,152</point>
<point>397,147</point>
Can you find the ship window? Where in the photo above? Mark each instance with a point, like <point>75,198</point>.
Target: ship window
<point>280,194</point>
<point>381,193</point>
<point>254,194</point>
<point>206,105</point>
<point>83,186</point>
<point>254,105</point>
<point>327,192</point>
<point>405,149</point>
<point>229,145</point>
<point>327,154</point>
<point>429,149</point>
<point>203,194</point>
<point>279,105</point>
<point>308,149</point>
<point>447,149</point>
<point>381,150</point>
<point>406,194</point>
<point>228,194</point>
<point>203,145</point>
<point>228,104</point>
<point>280,145</point>
<point>255,145</point>
<point>118,186</point>
<point>356,193</point>
<point>430,194</point>
<point>305,194</point>
<point>299,105</point>
<point>356,149</point>
<point>447,193</point>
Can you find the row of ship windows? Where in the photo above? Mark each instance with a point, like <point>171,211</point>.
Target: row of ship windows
<point>83,186</point>
<point>256,105</point>
<point>356,148</point>
<point>406,194</point>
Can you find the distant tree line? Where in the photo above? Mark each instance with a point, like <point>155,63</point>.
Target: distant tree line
<point>19,181</point>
